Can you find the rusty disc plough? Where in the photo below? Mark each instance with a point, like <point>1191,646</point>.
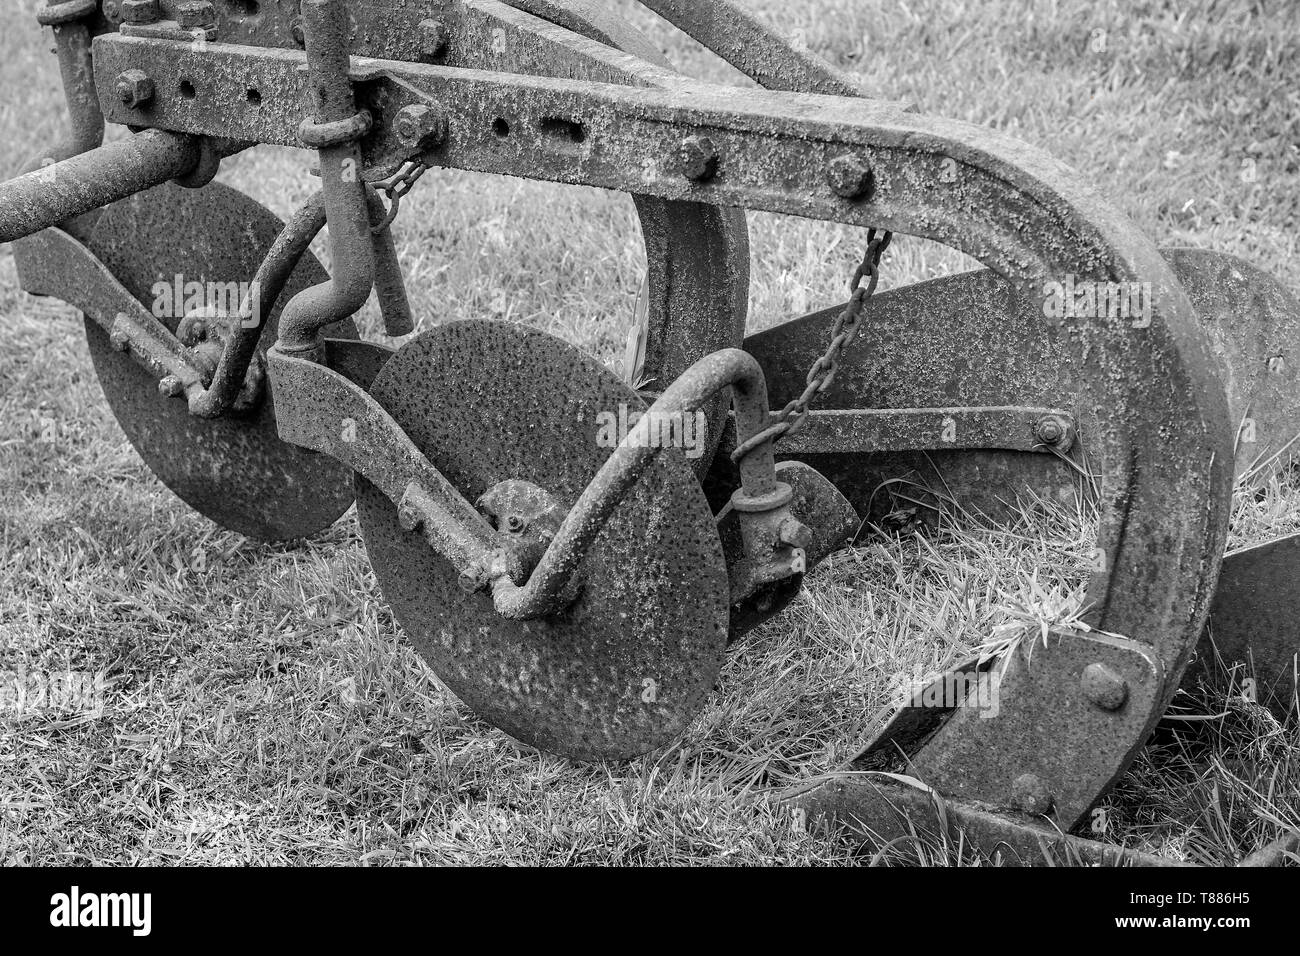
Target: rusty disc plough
<point>579,591</point>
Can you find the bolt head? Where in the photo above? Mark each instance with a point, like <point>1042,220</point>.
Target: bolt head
<point>1050,431</point>
<point>1031,795</point>
<point>139,11</point>
<point>1105,688</point>
<point>699,158</point>
<point>515,524</point>
<point>134,89</point>
<point>473,581</point>
<point>796,534</point>
<point>433,39</point>
<point>850,177</point>
<point>409,520</point>
<point>171,387</point>
<point>196,14</point>
<point>420,126</point>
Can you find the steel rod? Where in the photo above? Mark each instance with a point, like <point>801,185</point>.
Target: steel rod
<point>550,580</point>
<point>53,194</point>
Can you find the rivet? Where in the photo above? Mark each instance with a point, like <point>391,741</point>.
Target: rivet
<point>849,177</point>
<point>1105,688</point>
<point>699,158</point>
<point>1031,794</point>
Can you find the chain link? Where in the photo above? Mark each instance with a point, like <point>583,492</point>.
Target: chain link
<point>396,187</point>
<point>823,371</point>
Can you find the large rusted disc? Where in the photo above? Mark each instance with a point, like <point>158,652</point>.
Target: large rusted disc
<point>626,667</point>
<point>234,470</point>
<point>914,352</point>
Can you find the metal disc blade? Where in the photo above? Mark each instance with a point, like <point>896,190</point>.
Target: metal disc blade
<point>625,668</point>
<point>1255,620</point>
<point>1254,322</point>
<point>233,470</point>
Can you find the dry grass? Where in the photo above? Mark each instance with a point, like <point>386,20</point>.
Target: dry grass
<point>263,706</point>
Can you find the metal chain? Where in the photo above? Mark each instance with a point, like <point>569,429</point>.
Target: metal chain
<point>847,325</point>
<point>396,187</point>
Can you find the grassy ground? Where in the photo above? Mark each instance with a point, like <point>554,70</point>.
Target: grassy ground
<point>263,706</point>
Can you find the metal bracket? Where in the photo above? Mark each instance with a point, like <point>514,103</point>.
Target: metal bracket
<point>323,410</point>
<point>53,263</point>
<point>866,430</point>
<point>1042,730</point>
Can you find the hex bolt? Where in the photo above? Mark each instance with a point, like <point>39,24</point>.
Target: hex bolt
<point>1031,795</point>
<point>473,580</point>
<point>139,11</point>
<point>1055,431</point>
<point>171,387</point>
<point>1105,688</point>
<point>134,89</point>
<point>699,158</point>
<point>849,176</point>
<point>196,14</point>
<point>420,127</point>
<point>795,533</point>
<point>433,39</point>
<point>408,518</point>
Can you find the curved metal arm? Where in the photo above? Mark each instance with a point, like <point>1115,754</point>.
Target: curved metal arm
<point>289,248</point>
<point>546,588</point>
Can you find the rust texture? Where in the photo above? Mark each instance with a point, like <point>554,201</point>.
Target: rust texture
<point>576,593</point>
<point>625,667</point>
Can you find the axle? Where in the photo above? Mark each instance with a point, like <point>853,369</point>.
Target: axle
<point>80,184</point>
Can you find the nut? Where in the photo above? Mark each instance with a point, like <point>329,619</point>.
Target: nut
<point>1031,795</point>
<point>699,158</point>
<point>296,30</point>
<point>1105,688</point>
<point>515,524</point>
<point>433,39</point>
<point>196,14</point>
<point>849,177</point>
<point>171,387</point>
<point>134,89</point>
<point>1055,431</point>
<point>139,11</point>
<point>420,127</point>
